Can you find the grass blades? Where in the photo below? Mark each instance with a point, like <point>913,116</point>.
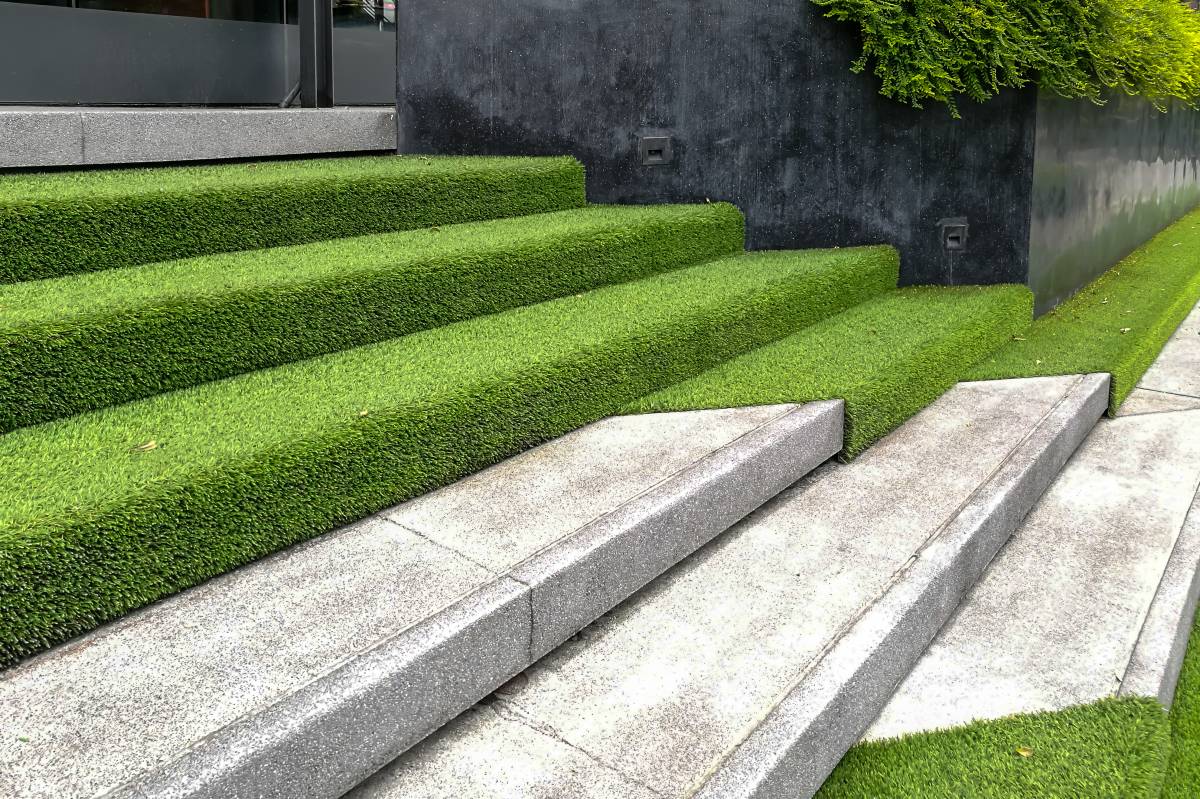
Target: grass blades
<point>1119,323</point>
<point>85,342</point>
<point>104,512</point>
<point>63,223</point>
<point>1114,749</point>
<point>887,358</point>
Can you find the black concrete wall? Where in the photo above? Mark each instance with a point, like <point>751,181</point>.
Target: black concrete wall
<point>1106,179</point>
<point>763,109</point>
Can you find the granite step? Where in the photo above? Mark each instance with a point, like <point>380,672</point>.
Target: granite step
<point>750,668</point>
<point>1094,596</point>
<point>302,674</point>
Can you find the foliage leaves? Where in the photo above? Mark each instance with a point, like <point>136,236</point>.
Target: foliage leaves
<point>941,50</point>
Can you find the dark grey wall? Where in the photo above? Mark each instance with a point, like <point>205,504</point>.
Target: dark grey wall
<point>52,55</point>
<point>763,107</point>
<point>1106,178</point>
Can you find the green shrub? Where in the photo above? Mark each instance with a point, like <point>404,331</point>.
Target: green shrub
<point>61,223</point>
<point>107,511</point>
<point>942,49</point>
<point>887,358</point>
<point>88,341</point>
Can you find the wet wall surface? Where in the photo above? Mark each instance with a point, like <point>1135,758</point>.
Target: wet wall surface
<point>1106,179</point>
<point>761,108</point>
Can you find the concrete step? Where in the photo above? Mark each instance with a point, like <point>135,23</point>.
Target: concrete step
<point>302,674</point>
<point>750,668</point>
<point>1095,594</point>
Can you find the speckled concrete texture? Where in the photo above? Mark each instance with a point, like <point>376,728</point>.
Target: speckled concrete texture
<point>1054,621</point>
<point>665,689</point>
<point>1177,370</point>
<point>302,674</point>
<point>35,137</point>
<point>1095,594</point>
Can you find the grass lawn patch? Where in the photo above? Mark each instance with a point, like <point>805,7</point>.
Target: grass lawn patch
<point>107,511</point>
<point>1183,770</point>
<point>1114,749</point>
<point>62,223</point>
<point>1117,324</point>
<point>84,342</point>
<point>887,358</point>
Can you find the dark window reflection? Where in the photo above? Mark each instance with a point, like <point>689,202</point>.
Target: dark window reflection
<point>379,14</point>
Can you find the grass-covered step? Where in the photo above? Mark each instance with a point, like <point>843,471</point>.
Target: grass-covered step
<point>61,223</point>
<point>887,358</point>
<point>107,511</point>
<point>84,342</point>
<point>1116,324</point>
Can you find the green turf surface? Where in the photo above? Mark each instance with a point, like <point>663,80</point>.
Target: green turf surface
<point>1115,749</point>
<point>1183,770</point>
<point>107,511</point>
<point>887,358</point>
<point>1117,324</point>
<point>54,224</point>
<point>88,341</point>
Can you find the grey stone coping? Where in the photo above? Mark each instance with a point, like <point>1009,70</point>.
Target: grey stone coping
<point>302,674</point>
<point>32,137</point>
<point>749,668</point>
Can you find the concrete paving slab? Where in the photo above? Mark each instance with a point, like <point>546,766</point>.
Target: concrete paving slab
<point>1157,658</point>
<point>665,689</point>
<point>1055,620</point>
<point>1177,370</point>
<point>302,674</point>
<point>1141,401</point>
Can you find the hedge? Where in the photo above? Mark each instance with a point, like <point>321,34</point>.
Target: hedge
<point>54,224</point>
<point>1114,748</point>
<point>85,342</point>
<point>939,50</point>
<point>105,512</point>
<point>887,358</point>
<point>1119,323</point>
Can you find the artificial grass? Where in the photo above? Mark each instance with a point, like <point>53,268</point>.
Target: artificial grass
<point>1118,323</point>
<point>54,224</point>
<point>887,358</point>
<point>85,342</point>
<point>1183,769</point>
<point>107,511</point>
<point>1115,748</point>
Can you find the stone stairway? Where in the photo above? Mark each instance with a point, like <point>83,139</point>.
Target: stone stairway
<point>301,510</point>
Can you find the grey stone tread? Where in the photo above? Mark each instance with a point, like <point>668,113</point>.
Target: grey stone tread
<point>1095,594</point>
<point>670,690</point>
<point>303,673</point>
<point>1054,621</point>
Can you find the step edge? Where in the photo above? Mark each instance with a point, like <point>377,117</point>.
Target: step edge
<point>1157,658</point>
<point>798,743</point>
<point>282,750</point>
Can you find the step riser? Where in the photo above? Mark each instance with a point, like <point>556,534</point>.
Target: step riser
<point>110,355</point>
<point>1158,655</point>
<point>794,750</point>
<point>147,216</point>
<point>327,738</point>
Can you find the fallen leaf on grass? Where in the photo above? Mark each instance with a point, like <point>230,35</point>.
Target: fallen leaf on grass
<point>364,412</point>
<point>1024,751</point>
<point>149,445</point>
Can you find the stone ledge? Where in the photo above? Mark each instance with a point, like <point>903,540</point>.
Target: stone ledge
<point>32,137</point>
